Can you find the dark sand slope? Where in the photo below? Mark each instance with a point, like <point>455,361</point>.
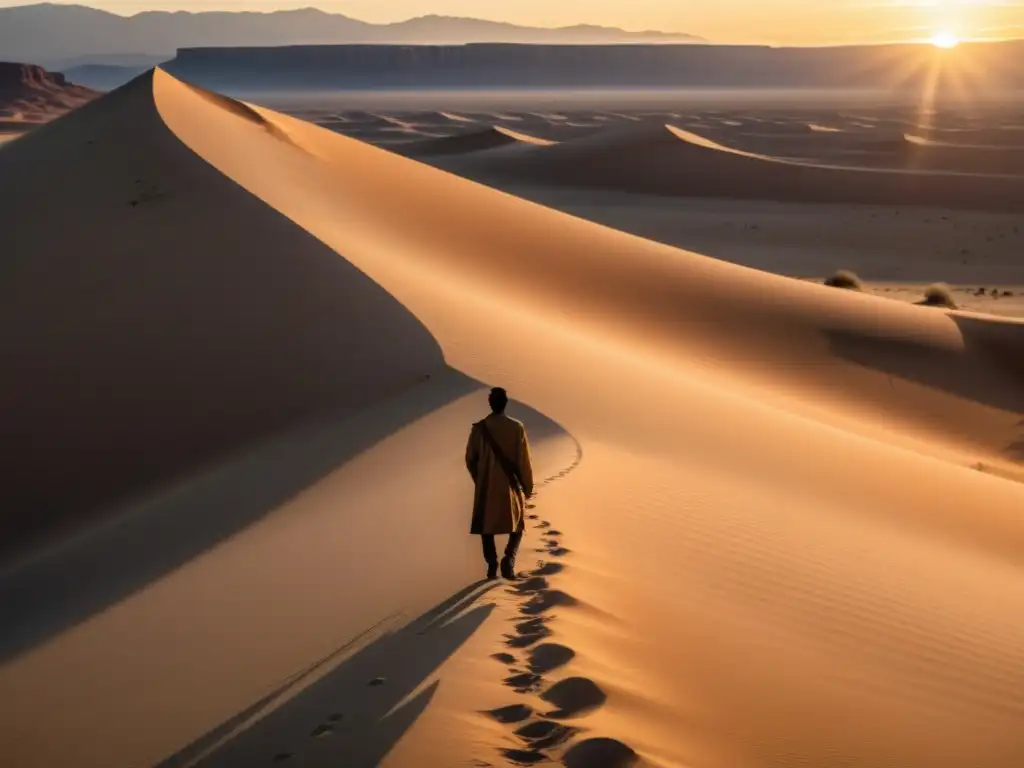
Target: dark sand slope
<point>664,160</point>
<point>254,420</point>
<point>150,337</point>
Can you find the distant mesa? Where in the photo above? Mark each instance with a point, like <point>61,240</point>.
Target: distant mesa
<point>499,65</point>
<point>30,95</point>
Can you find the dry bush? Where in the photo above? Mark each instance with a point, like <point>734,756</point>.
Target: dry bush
<point>939,295</point>
<point>844,278</point>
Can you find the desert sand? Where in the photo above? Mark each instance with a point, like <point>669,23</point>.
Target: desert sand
<point>780,523</point>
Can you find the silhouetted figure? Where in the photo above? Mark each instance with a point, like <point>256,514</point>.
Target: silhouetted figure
<point>498,459</point>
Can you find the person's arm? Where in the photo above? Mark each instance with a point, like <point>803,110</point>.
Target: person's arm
<point>525,464</point>
<point>472,453</point>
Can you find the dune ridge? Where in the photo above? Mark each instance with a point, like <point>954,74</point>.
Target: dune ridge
<point>666,160</point>
<point>487,139</point>
<point>776,514</point>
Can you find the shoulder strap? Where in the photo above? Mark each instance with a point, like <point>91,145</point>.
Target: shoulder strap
<point>510,468</point>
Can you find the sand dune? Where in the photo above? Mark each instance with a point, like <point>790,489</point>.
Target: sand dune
<point>665,160</point>
<point>880,149</point>
<point>454,118</point>
<point>766,543</point>
<point>460,144</point>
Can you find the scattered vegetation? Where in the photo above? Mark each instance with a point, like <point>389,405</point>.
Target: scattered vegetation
<point>844,278</point>
<point>939,295</point>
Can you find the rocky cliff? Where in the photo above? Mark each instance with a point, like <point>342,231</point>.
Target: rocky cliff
<point>30,94</point>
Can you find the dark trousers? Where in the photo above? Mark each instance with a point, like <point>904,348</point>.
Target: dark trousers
<point>491,552</point>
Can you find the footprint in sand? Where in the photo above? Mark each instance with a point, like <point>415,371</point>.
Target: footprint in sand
<point>527,626</point>
<point>532,517</point>
<point>526,638</point>
<point>545,734</point>
<point>532,584</point>
<point>516,713</point>
<point>549,569</point>
<point>553,532</point>
<point>525,682</point>
<point>327,728</point>
<point>524,756</point>
<point>543,602</point>
<point>574,697</point>
<point>601,753</point>
<point>549,657</point>
<point>504,658</point>
<point>559,551</point>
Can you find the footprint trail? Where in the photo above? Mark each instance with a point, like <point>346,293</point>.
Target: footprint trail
<point>545,731</point>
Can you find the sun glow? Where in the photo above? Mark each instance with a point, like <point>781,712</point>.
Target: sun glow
<point>945,39</point>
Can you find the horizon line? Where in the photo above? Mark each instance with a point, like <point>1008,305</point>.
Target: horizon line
<point>697,39</point>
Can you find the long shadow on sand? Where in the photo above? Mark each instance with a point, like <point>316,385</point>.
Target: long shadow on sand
<point>64,586</point>
<point>350,713</point>
<point>988,371</point>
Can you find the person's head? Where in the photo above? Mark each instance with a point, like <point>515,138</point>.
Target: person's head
<point>498,400</point>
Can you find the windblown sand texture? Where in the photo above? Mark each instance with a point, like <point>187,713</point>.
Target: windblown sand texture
<point>781,523</point>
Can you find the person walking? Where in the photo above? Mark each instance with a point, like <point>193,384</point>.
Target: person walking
<point>498,460</point>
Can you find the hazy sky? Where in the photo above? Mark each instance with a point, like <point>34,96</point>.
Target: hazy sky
<point>802,22</point>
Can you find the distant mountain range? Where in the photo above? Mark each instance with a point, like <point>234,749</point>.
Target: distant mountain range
<point>65,36</point>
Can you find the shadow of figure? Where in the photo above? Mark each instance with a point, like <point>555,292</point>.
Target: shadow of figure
<point>47,594</point>
<point>348,709</point>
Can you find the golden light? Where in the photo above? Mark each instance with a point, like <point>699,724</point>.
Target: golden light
<point>945,39</point>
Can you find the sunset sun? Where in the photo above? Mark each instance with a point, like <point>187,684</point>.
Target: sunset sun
<point>945,39</point>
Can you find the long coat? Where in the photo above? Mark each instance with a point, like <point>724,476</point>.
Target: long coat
<point>497,508</point>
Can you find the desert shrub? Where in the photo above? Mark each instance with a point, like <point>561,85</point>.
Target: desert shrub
<point>844,278</point>
<point>939,295</point>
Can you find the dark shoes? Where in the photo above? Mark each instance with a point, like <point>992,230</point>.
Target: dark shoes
<point>508,570</point>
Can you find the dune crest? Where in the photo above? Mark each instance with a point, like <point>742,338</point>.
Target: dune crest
<point>488,139</point>
<point>662,159</point>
